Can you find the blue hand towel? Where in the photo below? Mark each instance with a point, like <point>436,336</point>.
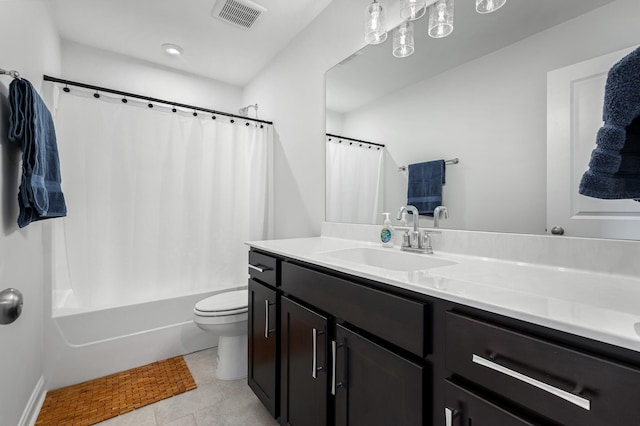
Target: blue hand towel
<point>614,169</point>
<point>31,128</point>
<point>425,186</point>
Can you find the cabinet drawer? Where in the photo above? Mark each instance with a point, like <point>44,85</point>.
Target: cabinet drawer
<point>263,268</point>
<point>463,407</point>
<point>395,319</point>
<point>559,383</point>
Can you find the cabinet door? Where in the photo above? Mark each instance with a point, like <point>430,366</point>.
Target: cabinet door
<point>374,386</point>
<point>304,366</point>
<point>262,345</point>
<point>465,408</point>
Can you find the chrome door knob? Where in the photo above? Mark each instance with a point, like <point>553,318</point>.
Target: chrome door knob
<point>10,305</point>
<point>557,230</point>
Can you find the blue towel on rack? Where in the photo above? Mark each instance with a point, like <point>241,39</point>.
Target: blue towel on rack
<point>31,128</point>
<point>614,169</point>
<point>425,186</point>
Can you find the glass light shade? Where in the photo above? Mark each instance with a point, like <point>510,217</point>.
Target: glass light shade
<point>172,49</point>
<point>375,31</point>
<point>403,40</point>
<point>488,6</point>
<point>441,18</point>
<point>410,10</point>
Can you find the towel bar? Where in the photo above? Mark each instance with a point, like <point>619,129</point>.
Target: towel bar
<point>452,161</point>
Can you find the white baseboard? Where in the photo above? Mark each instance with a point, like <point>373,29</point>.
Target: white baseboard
<point>31,411</point>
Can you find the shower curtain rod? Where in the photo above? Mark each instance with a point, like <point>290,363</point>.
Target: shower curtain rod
<point>150,100</point>
<point>355,140</point>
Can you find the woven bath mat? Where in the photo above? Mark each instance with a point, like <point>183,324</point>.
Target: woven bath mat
<point>100,399</point>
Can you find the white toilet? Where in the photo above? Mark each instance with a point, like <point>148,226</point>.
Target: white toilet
<point>225,315</point>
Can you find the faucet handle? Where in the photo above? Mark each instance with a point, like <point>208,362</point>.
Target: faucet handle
<point>428,249</point>
<point>406,239</point>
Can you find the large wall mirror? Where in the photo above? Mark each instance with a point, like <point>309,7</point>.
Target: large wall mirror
<point>480,95</point>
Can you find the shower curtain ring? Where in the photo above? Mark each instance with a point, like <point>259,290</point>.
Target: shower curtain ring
<point>96,95</point>
<point>66,88</point>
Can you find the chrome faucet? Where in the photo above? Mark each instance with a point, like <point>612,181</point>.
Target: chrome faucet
<point>436,215</point>
<point>415,241</point>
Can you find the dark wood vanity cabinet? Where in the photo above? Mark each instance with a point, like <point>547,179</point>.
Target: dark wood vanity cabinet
<point>326,348</point>
<point>374,385</point>
<point>337,372</point>
<point>262,330</point>
<point>556,383</point>
<point>305,368</point>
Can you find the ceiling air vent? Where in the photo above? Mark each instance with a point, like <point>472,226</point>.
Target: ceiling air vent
<point>240,13</point>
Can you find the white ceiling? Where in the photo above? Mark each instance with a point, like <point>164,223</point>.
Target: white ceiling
<point>212,48</point>
<point>362,79</point>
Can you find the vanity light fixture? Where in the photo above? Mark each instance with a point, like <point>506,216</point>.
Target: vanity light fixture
<point>403,40</point>
<point>488,6</point>
<point>440,21</point>
<point>441,18</point>
<point>172,49</point>
<point>410,10</point>
<point>376,30</point>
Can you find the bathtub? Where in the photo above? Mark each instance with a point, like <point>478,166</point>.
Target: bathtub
<point>83,344</point>
<point>90,337</point>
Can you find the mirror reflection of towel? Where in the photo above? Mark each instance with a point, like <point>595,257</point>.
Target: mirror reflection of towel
<point>614,169</point>
<point>425,186</point>
<point>31,128</point>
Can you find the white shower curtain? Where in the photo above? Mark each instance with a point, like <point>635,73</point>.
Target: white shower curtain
<point>160,203</point>
<point>353,182</point>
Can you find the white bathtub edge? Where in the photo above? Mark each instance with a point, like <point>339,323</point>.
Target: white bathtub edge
<point>70,365</point>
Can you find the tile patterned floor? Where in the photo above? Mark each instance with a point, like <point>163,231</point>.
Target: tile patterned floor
<point>213,403</point>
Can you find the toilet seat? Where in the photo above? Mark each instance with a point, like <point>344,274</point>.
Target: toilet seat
<point>223,304</point>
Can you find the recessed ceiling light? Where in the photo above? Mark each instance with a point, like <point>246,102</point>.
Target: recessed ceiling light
<point>172,49</point>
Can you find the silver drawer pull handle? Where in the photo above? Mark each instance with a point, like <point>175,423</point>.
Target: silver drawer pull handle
<point>314,361</point>
<point>259,268</point>
<point>449,414</point>
<point>267,330</point>
<point>567,396</point>
<point>334,349</point>
<point>266,319</point>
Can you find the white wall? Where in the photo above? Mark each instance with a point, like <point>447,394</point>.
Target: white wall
<point>290,91</point>
<point>107,69</point>
<point>334,122</point>
<point>29,44</point>
<point>491,113</point>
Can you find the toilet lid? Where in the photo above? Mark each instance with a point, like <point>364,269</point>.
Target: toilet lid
<point>227,303</point>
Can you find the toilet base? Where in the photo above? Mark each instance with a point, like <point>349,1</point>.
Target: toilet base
<point>232,358</point>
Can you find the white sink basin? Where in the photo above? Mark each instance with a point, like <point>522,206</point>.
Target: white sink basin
<point>389,259</point>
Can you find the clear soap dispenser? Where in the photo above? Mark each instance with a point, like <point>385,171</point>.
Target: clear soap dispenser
<point>386,233</point>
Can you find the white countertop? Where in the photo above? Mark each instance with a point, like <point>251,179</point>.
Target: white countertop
<point>600,306</point>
